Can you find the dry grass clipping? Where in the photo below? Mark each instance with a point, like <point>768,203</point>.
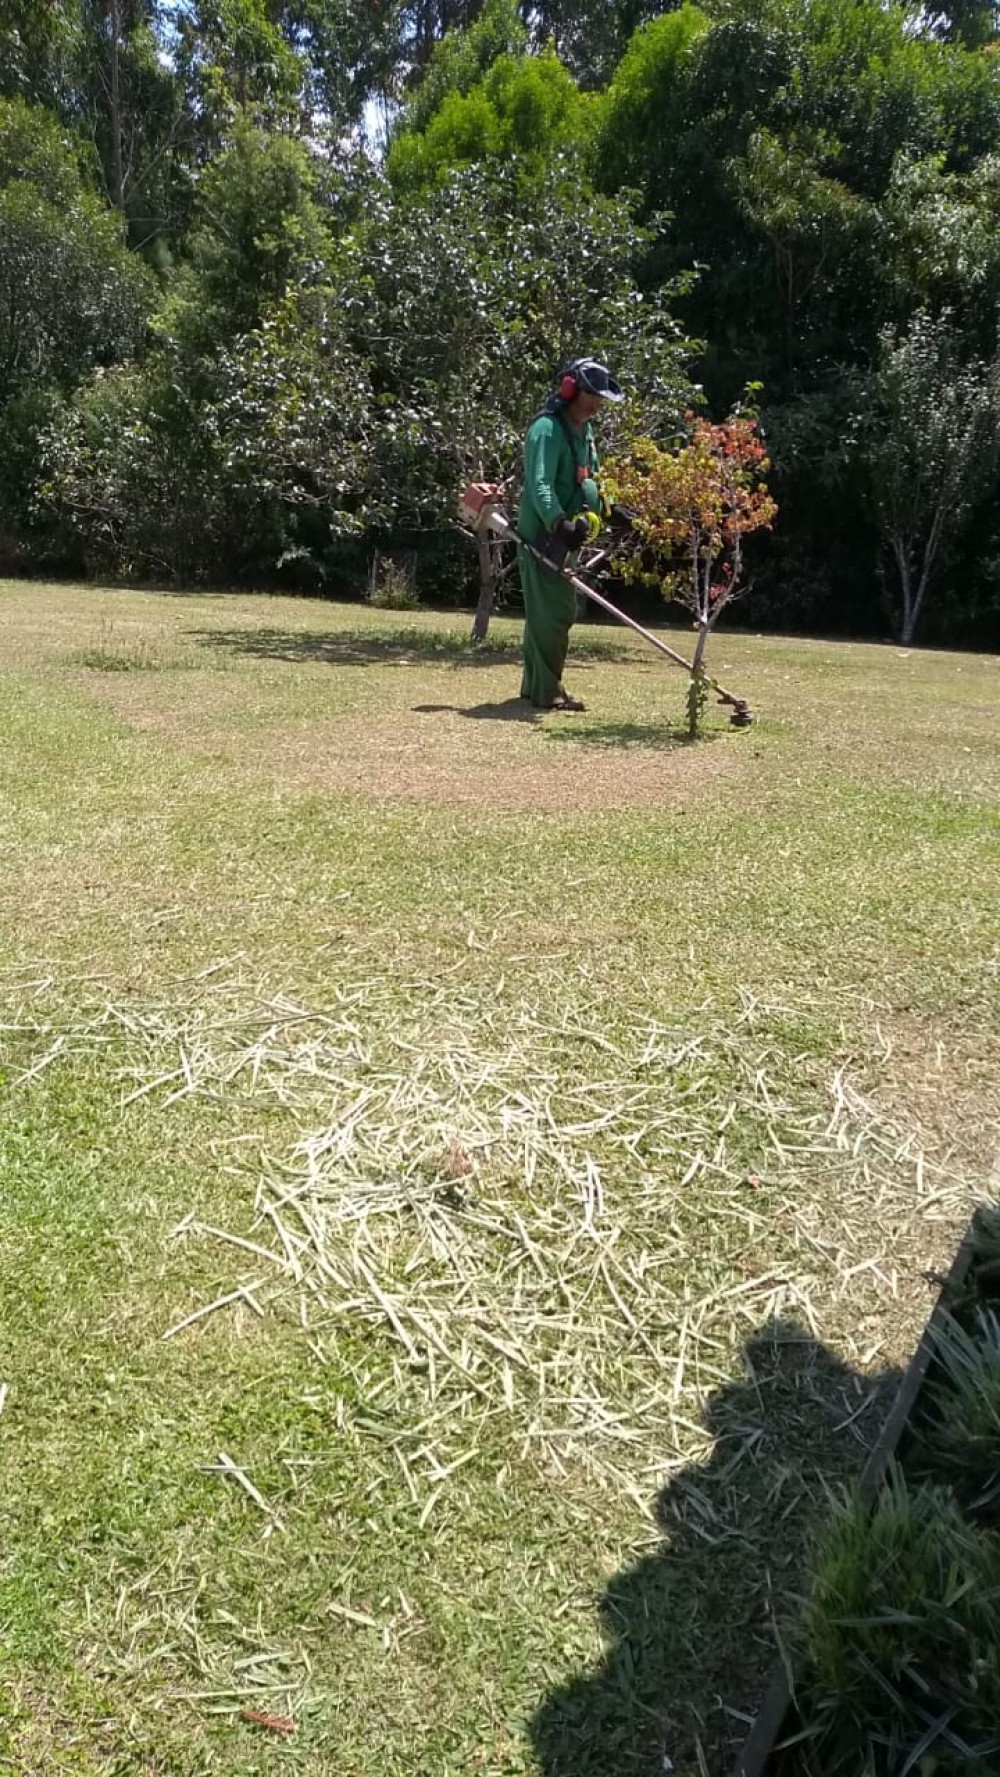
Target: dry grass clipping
<point>542,1227</point>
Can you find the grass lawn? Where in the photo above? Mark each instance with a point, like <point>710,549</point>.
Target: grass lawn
<point>467,1182</point>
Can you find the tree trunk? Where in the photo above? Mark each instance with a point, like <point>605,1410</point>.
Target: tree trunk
<point>487,587</point>
<point>697,688</point>
<point>902,554</point>
<point>925,571</point>
<point>117,173</point>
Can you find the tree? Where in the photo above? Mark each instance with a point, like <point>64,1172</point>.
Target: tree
<point>590,36</point>
<point>374,393</point>
<point>771,132</point>
<point>71,295</point>
<point>332,347</point>
<point>972,23</point>
<point>941,235</point>
<point>463,303</point>
<point>462,59</point>
<point>774,132</point>
<point>257,225</point>
<point>235,65</point>
<point>526,109</point>
<point>692,508</point>
<point>304,401</point>
<point>129,100</point>
<point>928,445</point>
<point>38,48</point>
<point>126,483</point>
<point>815,225</point>
<point>349,52</point>
<point>423,23</point>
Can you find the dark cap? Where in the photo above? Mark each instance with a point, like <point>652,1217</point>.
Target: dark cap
<point>596,379</point>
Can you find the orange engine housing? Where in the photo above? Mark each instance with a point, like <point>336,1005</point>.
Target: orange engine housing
<point>477,502</point>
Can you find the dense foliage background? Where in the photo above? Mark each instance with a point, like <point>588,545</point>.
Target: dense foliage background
<point>278,276</point>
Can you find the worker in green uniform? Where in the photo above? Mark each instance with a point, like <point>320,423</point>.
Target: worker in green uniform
<point>560,485</point>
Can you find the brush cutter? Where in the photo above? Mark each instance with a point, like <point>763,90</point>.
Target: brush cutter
<point>479,510</point>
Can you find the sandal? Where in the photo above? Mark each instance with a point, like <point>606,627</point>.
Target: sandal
<point>570,704</point>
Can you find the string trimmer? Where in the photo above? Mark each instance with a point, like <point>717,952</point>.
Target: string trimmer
<point>479,511</point>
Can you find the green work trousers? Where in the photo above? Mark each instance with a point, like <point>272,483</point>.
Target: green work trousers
<point>549,614</point>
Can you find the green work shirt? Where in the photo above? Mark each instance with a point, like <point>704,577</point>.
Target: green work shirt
<point>554,456</point>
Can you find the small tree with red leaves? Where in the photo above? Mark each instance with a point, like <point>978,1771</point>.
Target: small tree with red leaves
<point>692,508</point>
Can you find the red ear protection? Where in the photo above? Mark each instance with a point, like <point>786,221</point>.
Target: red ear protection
<point>569,388</point>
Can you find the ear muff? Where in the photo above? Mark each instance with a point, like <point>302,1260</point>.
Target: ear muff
<point>569,388</point>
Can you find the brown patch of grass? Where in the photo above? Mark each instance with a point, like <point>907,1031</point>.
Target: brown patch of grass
<point>491,752</point>
<point>944,1081</point>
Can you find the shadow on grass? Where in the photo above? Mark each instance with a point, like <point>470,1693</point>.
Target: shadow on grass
<point>360,647</point>
<point>645,735</point>
<point>689,1635</point>
<point>363,647</point>
<point>512,709</point>
<point>657,735</point>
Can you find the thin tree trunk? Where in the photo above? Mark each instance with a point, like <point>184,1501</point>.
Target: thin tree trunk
<point>696,692</point>
<point>902,556</point>
<point>928,562</point>
<point>117,171</point>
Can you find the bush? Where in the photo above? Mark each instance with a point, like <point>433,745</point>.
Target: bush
<point>392,585</point>
<point>901,1629</point>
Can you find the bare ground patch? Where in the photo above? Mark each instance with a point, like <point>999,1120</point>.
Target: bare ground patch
<point>452,738</point>
<point>943,1080</point>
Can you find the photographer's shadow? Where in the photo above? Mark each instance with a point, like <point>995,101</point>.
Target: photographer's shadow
<point>690,1628</point>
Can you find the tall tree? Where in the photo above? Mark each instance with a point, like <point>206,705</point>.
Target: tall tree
<point>71,296</point>
<point>129,99</point>
<point>236,64</point>
<point>972,23</point>
<point>464,57</point>
<point>349,51</point>
<point>928,437</point>
<point>771,133</point>
<point>257,227</point>
<point>37,50</point>
<point>590,35</point>
<point>526,109</point>
<point>423,23</point>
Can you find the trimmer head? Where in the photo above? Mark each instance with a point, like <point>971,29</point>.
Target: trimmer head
<point>741,716</point>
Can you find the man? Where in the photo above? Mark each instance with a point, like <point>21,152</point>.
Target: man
<point>560,485</point>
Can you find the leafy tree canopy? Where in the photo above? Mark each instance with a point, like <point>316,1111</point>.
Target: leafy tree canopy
<point>527,108</point>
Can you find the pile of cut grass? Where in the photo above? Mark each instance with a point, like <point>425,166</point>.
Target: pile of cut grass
<point>544,1222</point>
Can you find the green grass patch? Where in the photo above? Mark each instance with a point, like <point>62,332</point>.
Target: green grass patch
<point>900,1644</point>
<point>531,1135</point>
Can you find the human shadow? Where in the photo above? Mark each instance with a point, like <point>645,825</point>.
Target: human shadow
<point>690,1628</point>
<point>511,709</point>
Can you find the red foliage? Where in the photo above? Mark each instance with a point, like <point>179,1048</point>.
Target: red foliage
<point>693,508</point>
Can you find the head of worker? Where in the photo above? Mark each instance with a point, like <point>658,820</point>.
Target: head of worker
<point>584,387</point>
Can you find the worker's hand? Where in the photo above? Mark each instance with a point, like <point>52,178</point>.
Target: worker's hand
<point>573,532</point>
